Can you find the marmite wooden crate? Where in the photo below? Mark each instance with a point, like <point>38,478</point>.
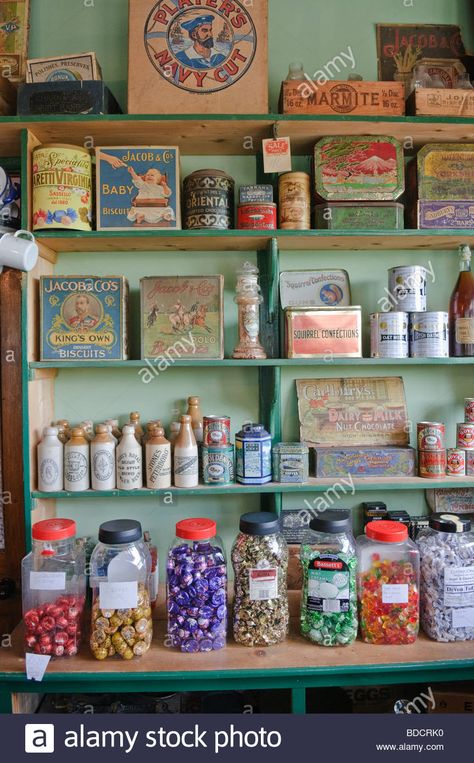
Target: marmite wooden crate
<point>197,58</point>
<point>435,102</point>
<point>380,99</point>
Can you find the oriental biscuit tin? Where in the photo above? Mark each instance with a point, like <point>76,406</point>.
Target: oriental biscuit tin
<point>208,200</point>
<point>62,187</point>
<point>318,332</point>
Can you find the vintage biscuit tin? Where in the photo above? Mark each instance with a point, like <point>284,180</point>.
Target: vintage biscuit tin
<point>83,318</point>
<point>465,436</point>
<point>319,332</point>
<point>290,462</point>
<point>138,188</point>
<point>429,335</point>
<point>62,187</point>
<point>260,216</point>
<point>216,431</point>
<point>407,285</point>
<point>446,171</point>
<point>218,465</point>
<point>347,215</point>
<point>364,462</point>
<point>255,194</point>
<point>365,168</point>
<point>315,288</point>
<point>389,335</point>
<point>83,66</point>
<point>456,462</point>
<point>208,200</point>
<point>469,410</point>
<point>253,453</point>
<point>451,500</point>
<point>432,464</point>
<point>182,317</point>
<point>294,201</point>
<point>469,463</point>
<point>445,214</point>
<point>430,435</point>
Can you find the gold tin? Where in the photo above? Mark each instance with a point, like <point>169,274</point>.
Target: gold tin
<point>62,187</point>
<point>294,193</point>
<point>315,332</point>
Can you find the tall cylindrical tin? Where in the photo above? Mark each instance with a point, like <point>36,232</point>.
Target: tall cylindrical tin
<point>465,436</point>
<point>431,435</point>
<point>456,462</point>
<point>469,410</point>
<point>216,431</point>
<point>62,187</point>
<point>432,464</point>
<point>253,447</point>
<point>389,335</point>
<point>429,335</point>
<point>407,287</point>
<point>218,465</point>
<point>294,193</point>
<point>208,200</point>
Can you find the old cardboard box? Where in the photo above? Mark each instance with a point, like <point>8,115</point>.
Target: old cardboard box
<point>195,58</point>
<point>83,66</point>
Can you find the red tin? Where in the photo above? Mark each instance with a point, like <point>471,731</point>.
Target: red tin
<point>431,435</point>
<point>261,216</point>
<point>432,464</point>
<point>216,431</point>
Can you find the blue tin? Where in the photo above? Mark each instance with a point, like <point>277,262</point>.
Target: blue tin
<point>253,446</point>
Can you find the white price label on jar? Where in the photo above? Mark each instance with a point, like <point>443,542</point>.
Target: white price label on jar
<point>118,595</point>
<point>395,594</point>
<point>263,584</point>
<point>463,618</point>
<point>36,665</point>
<point>47,581</point>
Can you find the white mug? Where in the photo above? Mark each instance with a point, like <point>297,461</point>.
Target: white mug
<point>18,250</point>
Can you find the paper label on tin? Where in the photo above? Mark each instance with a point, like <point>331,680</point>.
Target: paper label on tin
<point>47,581</point>
<point>263,584</point>
<point>118,595</point>
<point>277,155</point>
<point>463,618</point>
<point>459,586</point>
<point>395,593</point>
<point>36,665</point>
<point>465,330</point>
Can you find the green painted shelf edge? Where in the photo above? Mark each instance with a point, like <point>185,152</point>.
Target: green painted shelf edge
<point>264,118</point>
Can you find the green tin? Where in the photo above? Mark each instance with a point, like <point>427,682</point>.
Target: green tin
<point>218,465</point>
<point>290,462</point>
<point>348,215</point>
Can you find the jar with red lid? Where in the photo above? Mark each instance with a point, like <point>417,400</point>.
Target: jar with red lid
<point>197,587</point>
<point>54,588</point>
<point>388,584</point>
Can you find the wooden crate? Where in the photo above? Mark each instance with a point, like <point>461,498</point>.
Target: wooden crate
<point>339,97</point>
<point>171,72</point>
<point>435,102</point>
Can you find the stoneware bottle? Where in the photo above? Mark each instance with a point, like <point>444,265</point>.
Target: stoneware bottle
<point>50,462</point>
<point>149,429</point>
<point>135,422</point>
<point>186,465</point>
<point>175,426</point>
<point>129,460</point>
<point>158,460</point>
<point>103,459</point>
<point>76,462</point>
<point>88,426</point>
<point>64,430</point>
<point>110,430</point>
<point>194,410</point>
<point>115,428</point>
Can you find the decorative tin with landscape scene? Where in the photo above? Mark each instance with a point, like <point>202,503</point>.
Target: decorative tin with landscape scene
<point>446,171</point>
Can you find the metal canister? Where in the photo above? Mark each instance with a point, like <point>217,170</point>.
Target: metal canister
<point>62,187</point>
<point>218,465</point>
<point>208,200</point>
<point>216,431</point>
<point>253,446</point>
<point>429,335</point>
<point>432,464</point>
<point>465,438</point>
<point>469,463</point>
<point>259,216</point>
<point>407,287</point>
<point>389,335</point>
<point>469,410</point>
<point>294,193</point>
<point>456,462</point>
<point>290,462</point>
<point>431,435</point>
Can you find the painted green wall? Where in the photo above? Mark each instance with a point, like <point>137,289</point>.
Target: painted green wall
<point>314,31</point>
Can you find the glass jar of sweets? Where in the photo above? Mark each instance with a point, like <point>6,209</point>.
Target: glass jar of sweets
<point>329,594</point>
<point>388,584</point>
<point>120,580</point>
<point>54,588</point>
<point>447,578</point>
<point>260,562</point>
<point>197,587</point>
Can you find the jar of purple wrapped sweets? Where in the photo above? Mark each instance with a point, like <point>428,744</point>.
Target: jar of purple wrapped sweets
<point>447,578</point>
<point>197,587</point>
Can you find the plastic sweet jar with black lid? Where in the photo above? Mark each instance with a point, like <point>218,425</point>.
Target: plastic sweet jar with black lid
<point>329,593</point>
<point>120,581</point>
<point>197,587</point>
<point>447,577</point>
<point>388,584</point>
<point>260,562</point>
<point>54,588</point>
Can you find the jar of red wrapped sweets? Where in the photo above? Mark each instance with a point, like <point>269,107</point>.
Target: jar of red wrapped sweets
<point>388,584</point>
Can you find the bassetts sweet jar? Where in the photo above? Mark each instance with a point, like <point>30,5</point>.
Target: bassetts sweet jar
<point>120,581</point>
<point>447,578</point>
<point>54,588</point>
<point>388,584</point>
<point>197,587</point>
<point>260,562</point>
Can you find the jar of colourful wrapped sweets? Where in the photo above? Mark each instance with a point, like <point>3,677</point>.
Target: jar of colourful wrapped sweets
<point>329,598</point>
<point>197,587</point>
<point>447,578</point>
<point>388,584</point>
<point>260,562</point>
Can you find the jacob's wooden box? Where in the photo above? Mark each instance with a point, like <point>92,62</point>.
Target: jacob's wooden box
<point>377,99</point>
<point>198,57</point>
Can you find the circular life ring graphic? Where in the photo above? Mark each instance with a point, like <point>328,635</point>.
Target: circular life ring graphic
<point>200,50</point>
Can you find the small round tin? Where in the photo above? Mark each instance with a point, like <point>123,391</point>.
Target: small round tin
<point>469,410</point>
<point>216,431</point>
<point>432,464</point>
<point>261,216</point>
<point>465,439</point>
<point>407,287</point>
<point>431,435</point>
<point>429,335</point>
<point>294,194</point>
<point>208,200</point>
<point>62,187</point>
<point>389,335</point>
<point>253,446</point>
<point>456,462</point>
<point>218,465</point>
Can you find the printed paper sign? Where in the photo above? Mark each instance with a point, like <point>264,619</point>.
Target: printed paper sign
<point>276,155</point>
<point>47,581</point>
<point>36,665</point>
<point>118,595</point>
<point>395,594</point>
<point>458,586</point>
